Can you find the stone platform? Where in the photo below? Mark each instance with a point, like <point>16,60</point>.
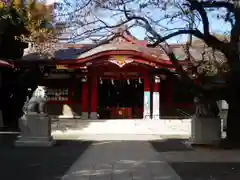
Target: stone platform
<point>120,129</point>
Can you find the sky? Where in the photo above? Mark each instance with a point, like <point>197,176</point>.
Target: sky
<point>217,26</point>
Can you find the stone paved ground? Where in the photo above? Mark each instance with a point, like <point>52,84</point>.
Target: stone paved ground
<point>117,160</point>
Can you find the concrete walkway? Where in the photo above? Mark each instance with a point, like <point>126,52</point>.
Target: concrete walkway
<point>168,159</point>
<point>120,161</point>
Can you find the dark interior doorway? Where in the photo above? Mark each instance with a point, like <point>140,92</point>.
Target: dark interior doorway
<point>120,99</point>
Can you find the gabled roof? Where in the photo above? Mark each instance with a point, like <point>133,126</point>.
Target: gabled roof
<point>121,41</point>
<point>72,51</point>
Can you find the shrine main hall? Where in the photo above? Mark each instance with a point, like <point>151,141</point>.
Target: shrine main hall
<point>119,78</point>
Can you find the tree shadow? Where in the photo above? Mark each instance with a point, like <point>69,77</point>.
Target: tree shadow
<point>40,163</point>
<point>207,170</point>
<point>184,159</point>
<point>168,145</point>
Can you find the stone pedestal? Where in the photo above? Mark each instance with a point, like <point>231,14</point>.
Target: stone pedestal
<point>206,131</point>
<point>93,115</point>
<point>35,131</point>
<point>84,115</point>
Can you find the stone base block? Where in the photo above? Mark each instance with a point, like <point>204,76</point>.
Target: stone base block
<point>34,142</point>
<point>206,131</point>
<point>85,115</point>
<point>156,116</point>
<point>35,130</point>
<point>65,117</point>
<point>93,115</point>
<point>147,117</point>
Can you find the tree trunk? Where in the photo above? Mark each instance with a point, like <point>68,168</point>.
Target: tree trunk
<point>233,119</point>
<point>16,84</point>
<point>233,122</point>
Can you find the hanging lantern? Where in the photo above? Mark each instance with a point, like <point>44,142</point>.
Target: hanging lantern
<point>157,79</point>
<point>163,76</point>
<point>84,79</point>
<point>139,80</point>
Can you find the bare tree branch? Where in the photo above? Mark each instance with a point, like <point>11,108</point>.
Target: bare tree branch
<point>207,37</point>
<point>218,4</point>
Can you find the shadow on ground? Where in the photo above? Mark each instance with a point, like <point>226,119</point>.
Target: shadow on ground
<point>167,145</point>
<point>196,170</point>
<point>40,163</point>
<point>207,170</point>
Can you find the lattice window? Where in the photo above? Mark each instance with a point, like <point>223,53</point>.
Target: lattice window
<point>60,94</point>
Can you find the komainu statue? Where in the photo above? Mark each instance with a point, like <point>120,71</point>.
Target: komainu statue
<point>33,105</point>
<point>206,108</point>
<point>36,104</point>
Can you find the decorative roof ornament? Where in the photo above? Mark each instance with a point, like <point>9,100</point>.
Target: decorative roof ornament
<point>121,29</point>
<point>120,60</point>
<point>120,32</point>
<point>119,40</point>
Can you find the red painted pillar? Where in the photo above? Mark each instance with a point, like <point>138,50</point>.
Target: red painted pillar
<point>156,87</point>
<point>156,100</point>
<point>85,100</point>
<point>146,83</point>
<point>94,97</point>
<point>170,93</point>
<point>147,98</point>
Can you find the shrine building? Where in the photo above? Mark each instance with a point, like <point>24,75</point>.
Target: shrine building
<point>117,79</point>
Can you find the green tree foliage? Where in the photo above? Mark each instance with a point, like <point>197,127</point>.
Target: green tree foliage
<point>22,24</point>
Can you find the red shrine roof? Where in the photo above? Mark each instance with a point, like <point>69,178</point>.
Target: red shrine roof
<point>119,42</point>
<point>5,64</point>
<point>122,43</point>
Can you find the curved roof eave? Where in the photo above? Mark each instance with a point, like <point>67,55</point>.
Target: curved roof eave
<point>6,64</point>
<point>148,57</point>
